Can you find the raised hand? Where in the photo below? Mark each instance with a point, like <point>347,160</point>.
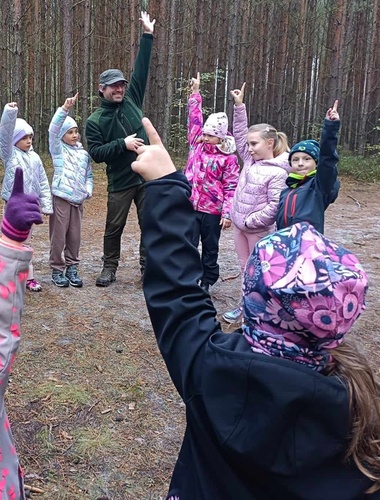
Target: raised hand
<point>12,104</point>
<point>21,212</point>
<point>195,83</point>
<point>133,143</point>
<point>70,102</point>
<point>332,113</point>
<point>148,25</point>
<point>238,95</point>
<point>153,160</point>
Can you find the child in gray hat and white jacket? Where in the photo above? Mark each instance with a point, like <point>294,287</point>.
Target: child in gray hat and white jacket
<point>72,184</point>
<point>16,138</point>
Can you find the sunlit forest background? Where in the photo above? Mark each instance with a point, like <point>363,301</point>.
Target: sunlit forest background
<point>297,57</point>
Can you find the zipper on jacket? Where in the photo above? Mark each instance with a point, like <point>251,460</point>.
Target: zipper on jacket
<point>293,207</point>
<point>119,113</point>
<point>121,117</point>
<point>286,210</point>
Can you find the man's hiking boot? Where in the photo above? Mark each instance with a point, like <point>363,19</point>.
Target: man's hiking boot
<point>59,279</point>
<point>73,276</point>
<point>106,277</point>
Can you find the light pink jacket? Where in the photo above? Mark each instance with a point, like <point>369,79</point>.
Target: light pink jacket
<point>255,203</point>
<point>213,175</point>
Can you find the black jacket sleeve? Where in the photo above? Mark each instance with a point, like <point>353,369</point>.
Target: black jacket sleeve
<point>182,314</point>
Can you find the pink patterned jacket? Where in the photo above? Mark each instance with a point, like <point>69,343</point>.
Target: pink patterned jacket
<point>14,264</point>
<point>255,203</point>
<point>212,174</point>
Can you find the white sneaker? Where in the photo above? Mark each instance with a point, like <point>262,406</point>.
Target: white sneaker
<point>233,316</point>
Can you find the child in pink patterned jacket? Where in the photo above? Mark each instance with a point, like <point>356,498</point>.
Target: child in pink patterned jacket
<point>213,171</point>
<point>21,212</point>
<point>264,152</point>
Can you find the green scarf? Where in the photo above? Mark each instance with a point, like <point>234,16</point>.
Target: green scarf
<point>299,178</point>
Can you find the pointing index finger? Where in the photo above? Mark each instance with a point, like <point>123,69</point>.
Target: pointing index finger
<point>154,138</point>
<point>18,184</point>
<point>335,107</point>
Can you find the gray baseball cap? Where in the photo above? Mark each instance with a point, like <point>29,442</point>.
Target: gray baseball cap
<point>110,76</point>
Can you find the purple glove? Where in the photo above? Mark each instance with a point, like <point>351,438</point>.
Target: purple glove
<point>21,212</point>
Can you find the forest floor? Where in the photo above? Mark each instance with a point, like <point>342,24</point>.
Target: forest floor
<point>92,409</point>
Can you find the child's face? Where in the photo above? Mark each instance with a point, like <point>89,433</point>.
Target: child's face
<point>210,139</point>
<point>71,136</point>
<point>302,163</point>
<point>25,143</point>
<point>258,147</point>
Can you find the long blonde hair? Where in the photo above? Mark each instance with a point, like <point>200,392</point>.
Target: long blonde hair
<point>353,369</point>
<point>280,140</point>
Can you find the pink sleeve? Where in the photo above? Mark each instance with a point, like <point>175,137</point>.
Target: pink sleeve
<point>195,118</point>
<point>230,181</point>
<point>240,130</point>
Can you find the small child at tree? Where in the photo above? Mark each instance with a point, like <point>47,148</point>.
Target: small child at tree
<point>16,138</point>
<point>72,185</point>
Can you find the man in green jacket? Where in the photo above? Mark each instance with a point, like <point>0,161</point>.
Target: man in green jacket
<point>114,132</point>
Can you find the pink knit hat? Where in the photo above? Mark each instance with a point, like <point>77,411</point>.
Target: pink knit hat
<point>216,125</point>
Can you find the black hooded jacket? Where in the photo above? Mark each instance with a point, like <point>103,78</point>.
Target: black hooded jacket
<point>258,427</point>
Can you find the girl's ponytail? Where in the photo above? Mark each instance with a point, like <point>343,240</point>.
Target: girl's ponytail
<point>282,145</point>
<point>353,369</point>
<point>280,140</point>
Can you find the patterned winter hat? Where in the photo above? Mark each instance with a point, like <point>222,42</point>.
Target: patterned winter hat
<point>310,147</point>
<point>67,125</point>
<point>301,295</point>
<point>216,125</point>
<point>22,128</point>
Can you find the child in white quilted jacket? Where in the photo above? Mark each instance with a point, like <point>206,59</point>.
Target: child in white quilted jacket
<point>16,138</point>
<point>72,184</point>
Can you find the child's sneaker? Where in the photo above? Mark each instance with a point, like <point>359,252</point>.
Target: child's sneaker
<point>73,276</point>
<point>59,279</point>
<point>233,316</point>
<point>33,285</point>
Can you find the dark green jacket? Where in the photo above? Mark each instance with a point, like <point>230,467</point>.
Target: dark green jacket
<point>108,126</point>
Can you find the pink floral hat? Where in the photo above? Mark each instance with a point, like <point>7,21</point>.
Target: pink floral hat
<point>301,295</point>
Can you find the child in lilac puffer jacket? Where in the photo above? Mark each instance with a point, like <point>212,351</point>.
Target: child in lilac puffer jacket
<point>213,171</point>
<point>264,152</point>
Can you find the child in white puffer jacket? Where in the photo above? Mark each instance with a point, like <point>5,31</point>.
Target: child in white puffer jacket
<point>16,138</point>
<point>72,184</point>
